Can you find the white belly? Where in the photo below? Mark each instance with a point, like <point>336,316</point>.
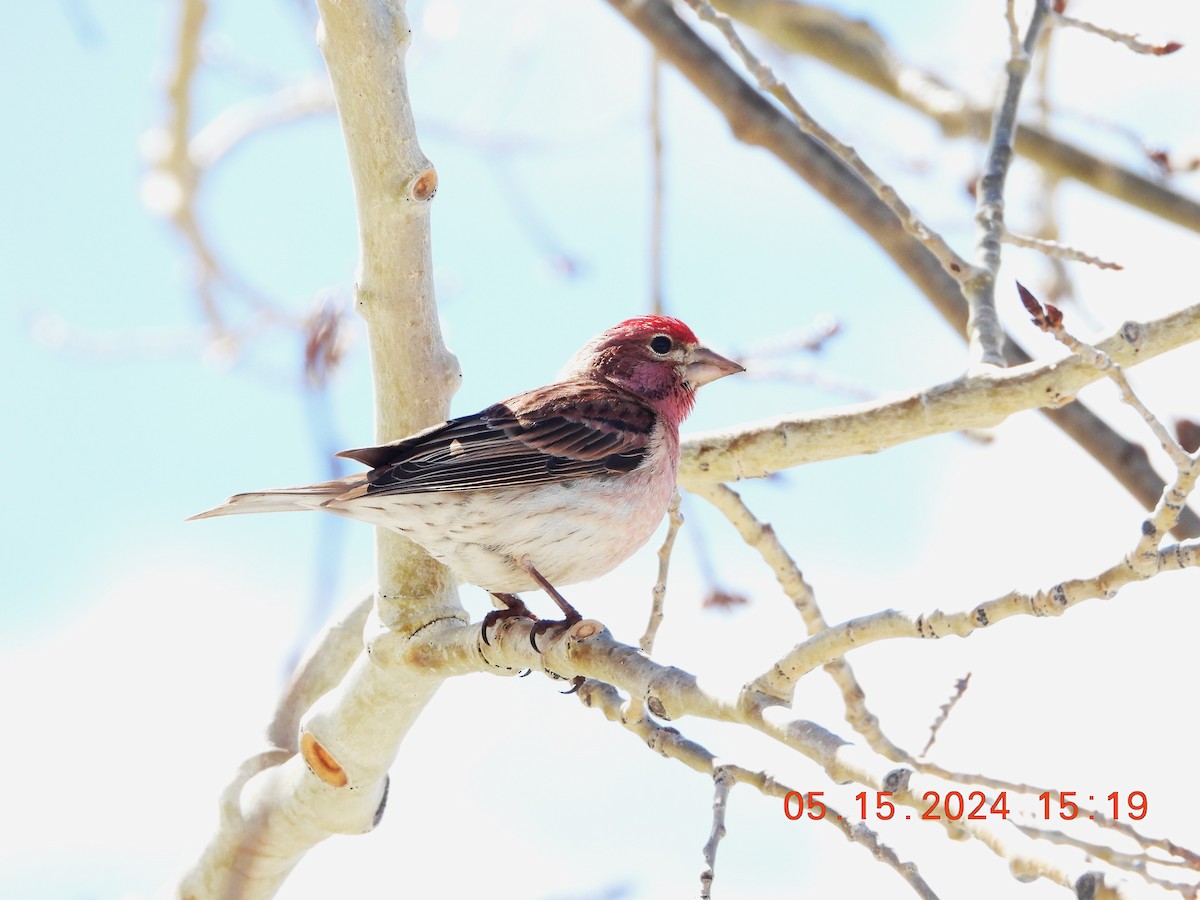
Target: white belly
<point>570,532</point>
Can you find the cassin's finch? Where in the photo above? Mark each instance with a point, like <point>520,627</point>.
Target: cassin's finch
<point>553,486</point>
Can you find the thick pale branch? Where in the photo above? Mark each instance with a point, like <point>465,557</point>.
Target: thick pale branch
<point>364,45</point>
<point>338,780</point>
<point>324,665</point>
<point>981,400</point>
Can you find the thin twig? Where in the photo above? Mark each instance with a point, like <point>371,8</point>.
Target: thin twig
<point>723,782</point>
<point>955,265</point>
<point>1051,320</point>
<point>171,185</point>
<point>761,537</point>
<point>856,48</point>
<point>960,688</point>
<point>241,121</point>
<point>985,335</point>
<point>1132,41</point>
<point>1173,501</point>
<point>669,742</point>
<point>657,186</point>
<point>1182,855</point>
<point>658,595</point>
<point>1128,862</point>
<point>810,338</point>
<point>1055,249</point>
<point>1044,198</point>
<point>780,680</point>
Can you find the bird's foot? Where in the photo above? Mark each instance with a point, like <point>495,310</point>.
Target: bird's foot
<point>544,625</point>
<point>576,682</point>
<point>513,606</point>
<point>570,613</point>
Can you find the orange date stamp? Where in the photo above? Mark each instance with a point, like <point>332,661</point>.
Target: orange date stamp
<point>972,806</point>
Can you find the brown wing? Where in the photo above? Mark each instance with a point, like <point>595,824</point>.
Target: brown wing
<point>533,438</point>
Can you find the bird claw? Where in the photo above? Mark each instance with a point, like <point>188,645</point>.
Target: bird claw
<point>514,607</point>
<point>576,684</point>
<point>546,624</point>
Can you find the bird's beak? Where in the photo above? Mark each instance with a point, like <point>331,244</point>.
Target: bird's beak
<point>704,366</point>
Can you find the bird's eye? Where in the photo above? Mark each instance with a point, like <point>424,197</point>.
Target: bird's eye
<point>661,344</point>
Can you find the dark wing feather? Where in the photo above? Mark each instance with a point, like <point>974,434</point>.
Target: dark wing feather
<point>534,438</point>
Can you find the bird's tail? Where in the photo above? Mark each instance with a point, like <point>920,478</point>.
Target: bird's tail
<point>289,499</point>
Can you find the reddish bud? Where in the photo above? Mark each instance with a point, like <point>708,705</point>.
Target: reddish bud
<point>1168,47</point>
<point>323,343</point>
<point>1048,319</point>
<point>722,599</point>
<point>1031,304</point>
<point>1187,433</point>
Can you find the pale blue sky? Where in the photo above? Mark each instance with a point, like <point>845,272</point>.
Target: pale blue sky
<point>113,609</point>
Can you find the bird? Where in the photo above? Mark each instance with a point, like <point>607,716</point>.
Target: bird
<point>551,487</point>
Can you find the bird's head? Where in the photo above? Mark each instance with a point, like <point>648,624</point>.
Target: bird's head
<point>658,358</point>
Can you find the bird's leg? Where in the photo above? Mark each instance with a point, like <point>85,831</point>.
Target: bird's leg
<point>513,606</point>
<point>570,614</point>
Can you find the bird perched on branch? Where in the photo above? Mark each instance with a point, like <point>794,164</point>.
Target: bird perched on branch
<point>551,487</point>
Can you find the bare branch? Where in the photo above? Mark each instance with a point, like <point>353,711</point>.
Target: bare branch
<point>723,782</point>
<point>657,186</point>
<point>974,401</point>
<point>1132,41</point>
<point>325,664</point>
<point>985,335</point>
<point>762,537</point>
<point>1129,862</point>
<point>855,47</point>
<point>241,121</point>
<point>1056,250</point>
<point>758,122</point>
<point>781,679</point>
<point>960,688</point>
<point>671,693</point>
<point>281,805</point>
<point>1051,320</point>
<point>170,186</point>
<point>954,264</point>
<point>674,523</point>
<point>672,744</point>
